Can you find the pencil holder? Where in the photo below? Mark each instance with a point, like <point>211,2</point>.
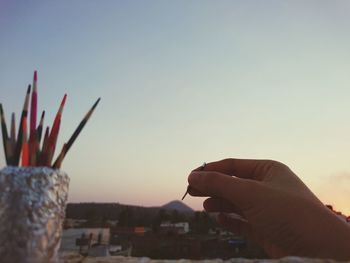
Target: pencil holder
<point>32,210</point>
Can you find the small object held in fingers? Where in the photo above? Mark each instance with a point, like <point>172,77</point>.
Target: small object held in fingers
<point>185,193</point>
<point>188,187</point>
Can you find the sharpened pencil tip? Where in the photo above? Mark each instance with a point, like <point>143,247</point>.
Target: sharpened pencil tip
<point>184,195</point>
<point>96,103</point>
<point>35,76</point>
<point>29,88</point>
<point>63,102</point>
<point>64,99</point>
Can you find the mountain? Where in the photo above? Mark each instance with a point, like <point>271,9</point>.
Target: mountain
<point>112,211</point>
<point>179,206</point>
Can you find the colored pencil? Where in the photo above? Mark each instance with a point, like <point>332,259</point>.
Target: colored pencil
<point>55,130</point>
<point>13,128</point>
<point>34,104</point>
<point>4,133</point>
<point>49,155</point>
<point>39,130</point>
<point>33,116</point>
<point>20,130</point>
<point>10,151</point>
<point>12,140</point>
<point>25,147</point>
<point>33,148</point>
<point>43,153</point>
<point>58,162</point>
<point>77,131</point>
<point>36,150</point>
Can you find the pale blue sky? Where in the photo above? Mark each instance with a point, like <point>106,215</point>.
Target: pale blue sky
<point>183,82</point>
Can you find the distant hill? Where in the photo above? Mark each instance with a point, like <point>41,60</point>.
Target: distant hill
<point>137,214</point>
<point>179,206</point>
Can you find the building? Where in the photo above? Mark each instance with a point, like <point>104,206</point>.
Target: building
<point>75,238</point>
<point>74,223</point>
<point>174,228</point>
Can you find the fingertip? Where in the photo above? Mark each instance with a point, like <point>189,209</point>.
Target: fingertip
<point>193,178</point>
<point>206,204</point>
<point>193,192</point>
<point>212,204</point>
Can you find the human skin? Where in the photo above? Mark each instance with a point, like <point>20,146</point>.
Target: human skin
<point>279,211</point>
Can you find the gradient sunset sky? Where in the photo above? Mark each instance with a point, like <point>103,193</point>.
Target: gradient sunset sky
<point>183,82</point>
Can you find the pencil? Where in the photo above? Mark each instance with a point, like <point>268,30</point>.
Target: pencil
<point>12,140</point>
<point>25,148</point>
<point>13,128</point>
<point>34,104</point>
<point>39,130</point>
<point>77,131</point>
<point>37,139</point>
<point>9,151</point>
<point>49,155</point>
<point>33,117</point>
<point>4,134</point>
<point>33,148</point>
<point>60,157</point>
<point>20,130</point>
<point>55,130</point>
<point>43,152</point>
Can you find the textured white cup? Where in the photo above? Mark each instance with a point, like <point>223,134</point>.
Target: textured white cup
<point>32,210</point>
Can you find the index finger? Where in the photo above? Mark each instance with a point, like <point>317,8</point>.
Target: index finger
<point>242,168</point>
<point>238,191</point>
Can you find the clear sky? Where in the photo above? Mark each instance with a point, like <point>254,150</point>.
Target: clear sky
<point>183,82</point>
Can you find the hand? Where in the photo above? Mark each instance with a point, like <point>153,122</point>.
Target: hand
<point>279,211</point>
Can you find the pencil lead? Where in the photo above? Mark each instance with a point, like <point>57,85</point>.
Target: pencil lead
<point>35,76</point>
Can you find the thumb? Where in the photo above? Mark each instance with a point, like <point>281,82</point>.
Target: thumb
<point>240,192</point>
